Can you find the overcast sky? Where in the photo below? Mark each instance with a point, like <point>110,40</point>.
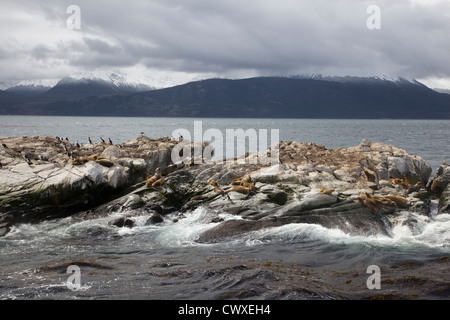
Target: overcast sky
<point>187,39</point>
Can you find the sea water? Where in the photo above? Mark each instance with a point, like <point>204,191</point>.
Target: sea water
<point>295,261</point>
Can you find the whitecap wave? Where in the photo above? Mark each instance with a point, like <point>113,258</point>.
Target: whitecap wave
<point>410,231</point>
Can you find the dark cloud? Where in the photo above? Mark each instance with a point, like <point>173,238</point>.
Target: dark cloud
<point>41,52</point>
<point>256,36</point>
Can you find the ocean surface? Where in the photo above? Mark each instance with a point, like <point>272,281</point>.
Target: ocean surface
<point>292,262</point>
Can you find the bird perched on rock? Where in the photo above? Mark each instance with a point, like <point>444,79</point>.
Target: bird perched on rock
<point>4,146</point>
<point>27,159</point>
<point>103,141</point>
<point>89,140</point>
<point>110,141</point>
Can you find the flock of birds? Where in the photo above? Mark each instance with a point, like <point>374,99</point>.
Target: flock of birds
<point>62,143</point>
<point>28,159</point>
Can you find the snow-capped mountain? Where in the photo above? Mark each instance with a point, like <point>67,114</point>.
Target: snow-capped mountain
<point>117,82</point>
<point>259,97</point>
<point>355,79</point>
<point>89,84</point>
<point>28,88</point>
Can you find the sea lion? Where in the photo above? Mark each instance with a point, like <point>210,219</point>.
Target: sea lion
<point>368,202</point>
<point>105,162</point>
<point>404,182</point>
<point>150,181</point>
<point>92,158</point>
<point>199,197</point>
<point>218,189</point>
<point>247,181</point>
<point>374,202</point>
<point>236,182</point>
<point>78,161</point>
<point>326,190</point>
<point>400,201</point>
<point>158,183</point>
<point>242,181</point>
<point>240,189</point>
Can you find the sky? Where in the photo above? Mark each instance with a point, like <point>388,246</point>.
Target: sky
<point>176,41</point>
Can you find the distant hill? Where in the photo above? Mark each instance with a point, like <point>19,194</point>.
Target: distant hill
<point>9,101</point>
<point>28,90</point>
<point>261,97</point>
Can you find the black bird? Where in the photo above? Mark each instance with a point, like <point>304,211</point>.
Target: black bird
<point>78,145</point>
<point>65,148</point>
<point>27,159</point>
<point>102,139</point>
<point>67,139</point>
<point>89,140</point>
<point>110,141</point>
<point>4,146</point>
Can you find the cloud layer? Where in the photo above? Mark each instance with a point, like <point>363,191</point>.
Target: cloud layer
<point>182,39</point>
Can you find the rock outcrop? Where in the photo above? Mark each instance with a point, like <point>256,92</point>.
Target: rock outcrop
<point>44,177</point>
<point>441,186</point>
<point>355,189</point>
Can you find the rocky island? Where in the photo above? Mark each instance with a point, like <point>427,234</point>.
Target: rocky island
<point>357,189</point>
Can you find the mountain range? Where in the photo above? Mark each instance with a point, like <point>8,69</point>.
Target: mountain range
<point>259,97</point>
